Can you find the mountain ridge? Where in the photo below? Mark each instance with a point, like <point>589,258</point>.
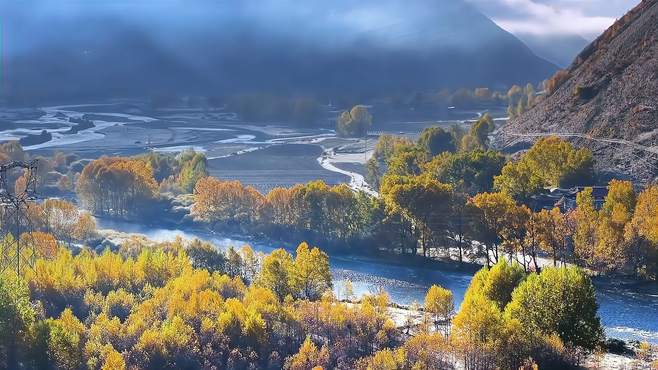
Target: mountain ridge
<point>369,48</point>
<point>607,102</point>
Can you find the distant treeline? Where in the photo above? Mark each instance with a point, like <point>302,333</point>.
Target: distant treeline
<point>320,111</point>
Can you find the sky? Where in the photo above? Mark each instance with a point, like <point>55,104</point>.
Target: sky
<point>586,18</point>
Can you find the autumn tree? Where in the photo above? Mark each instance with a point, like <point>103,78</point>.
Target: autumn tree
<point>309,357</point>
<point>531,248</point>
<point>610,250</point>
<point>553,233</point>
<point>61,218</point>
<point>585,220</point>
<point>495,225</point>
<point>463,215</point>
<point>642,233</point>
<point>311,276</point>
<point>226,202</point>
<point>424,201</point>
<point>439,303</point>
<point>355,122</point>
<point>552,84</point>
<point>43,244</point>
<point>117,186</point>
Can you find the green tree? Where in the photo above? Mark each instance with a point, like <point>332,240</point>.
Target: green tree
<point>559,301</point>
<point>407,161</point>
<point>377,166</point>
<point>551,162</point>
<point>476,332</point>
<point>192,169</point>
<point>436,140</point>
<point>66,341</point>
<point>478,136</point>
<point>497,283</point>
<point>469,172</point>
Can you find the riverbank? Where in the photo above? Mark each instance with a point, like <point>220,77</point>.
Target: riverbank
<point>408,320</point>
<point>628,312</point>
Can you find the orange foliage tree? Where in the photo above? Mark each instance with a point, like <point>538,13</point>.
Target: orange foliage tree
<point>116,186</point>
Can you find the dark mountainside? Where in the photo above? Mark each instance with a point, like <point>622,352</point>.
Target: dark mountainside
<point>609,102</point>
<point>61,52</point>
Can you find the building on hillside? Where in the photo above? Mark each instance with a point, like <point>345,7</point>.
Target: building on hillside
<point>565,199</point>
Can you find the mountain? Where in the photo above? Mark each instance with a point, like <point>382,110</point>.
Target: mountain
<point>607,101</point>
<point>558,49</point>
<point>83,49</point>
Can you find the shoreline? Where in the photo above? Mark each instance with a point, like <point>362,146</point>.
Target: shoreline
<point>617,297</point>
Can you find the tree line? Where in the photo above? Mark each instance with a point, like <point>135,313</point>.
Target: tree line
<point>437,199</point>
<point>188,305</point>
<point>476,201</point>
<point>129,187</point>
<point>447,195</point>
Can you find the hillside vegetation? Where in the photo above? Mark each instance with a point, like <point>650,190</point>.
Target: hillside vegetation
<point>607,99</point>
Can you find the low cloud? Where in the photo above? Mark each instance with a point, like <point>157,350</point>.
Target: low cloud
<point>587,18</point>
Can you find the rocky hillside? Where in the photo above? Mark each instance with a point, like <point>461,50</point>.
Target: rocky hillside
<point>607,100</point>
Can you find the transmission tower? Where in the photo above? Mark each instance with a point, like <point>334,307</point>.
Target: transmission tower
<point>15,200</point>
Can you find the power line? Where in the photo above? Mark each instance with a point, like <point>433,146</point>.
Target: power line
<point>14,205</point>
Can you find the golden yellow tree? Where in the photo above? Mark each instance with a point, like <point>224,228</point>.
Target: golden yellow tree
<point>311,276</point>
<point>439,303</point>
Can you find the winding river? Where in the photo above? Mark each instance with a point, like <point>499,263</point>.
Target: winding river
<point>628,310</point>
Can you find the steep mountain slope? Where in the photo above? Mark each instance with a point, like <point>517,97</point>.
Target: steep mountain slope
<point>88,49</point>
<point>609,100</point>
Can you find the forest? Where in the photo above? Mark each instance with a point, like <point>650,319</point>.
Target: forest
<point>446,195</point>
<point>189,305</point>
<point>186,305</point>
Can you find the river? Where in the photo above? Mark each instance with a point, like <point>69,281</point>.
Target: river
<point>628,310</point>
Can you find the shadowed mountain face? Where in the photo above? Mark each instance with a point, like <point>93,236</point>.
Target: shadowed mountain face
<point>87,49</point>
<point>609,100</point>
